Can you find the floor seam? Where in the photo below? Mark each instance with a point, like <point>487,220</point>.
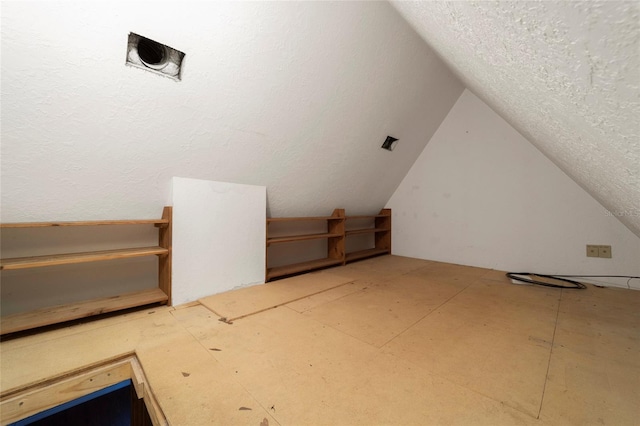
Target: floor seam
<point>329,301</point>
<point>332,327</point>
<point>553,339</point>
<point>423,317</point>
<point>224,366</point>
<point>230,320</point>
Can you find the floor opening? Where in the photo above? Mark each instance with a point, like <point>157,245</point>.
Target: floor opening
<point>113,393</point>
<point>115,405</point>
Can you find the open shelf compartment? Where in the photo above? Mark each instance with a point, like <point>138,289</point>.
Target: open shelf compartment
<point>295,268</point>
<point>76,310</point>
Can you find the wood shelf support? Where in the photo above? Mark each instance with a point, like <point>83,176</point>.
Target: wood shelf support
<point>335,246</point>
<point>164,262</point>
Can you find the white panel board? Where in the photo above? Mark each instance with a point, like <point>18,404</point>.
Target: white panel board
<point>218,237</point>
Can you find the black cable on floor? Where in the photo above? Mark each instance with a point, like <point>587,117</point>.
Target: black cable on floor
<point>575,285</point>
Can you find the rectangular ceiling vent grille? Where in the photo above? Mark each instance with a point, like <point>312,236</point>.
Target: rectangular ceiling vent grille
<point>390,143</point>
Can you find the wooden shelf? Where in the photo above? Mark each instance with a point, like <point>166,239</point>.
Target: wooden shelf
<point>366,231</point>
<point>301,238</point>
<point>85,223</point>
<point>74,311</point>
<point>379,225</point>
<point>71,258</point>
<point>298,219</point>
<point>335,244</point>
<point>363,254</point>
<point>56,314</point>
<point>294,268</point>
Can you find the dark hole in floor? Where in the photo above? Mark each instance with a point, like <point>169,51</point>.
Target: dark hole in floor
<point>116,405</point>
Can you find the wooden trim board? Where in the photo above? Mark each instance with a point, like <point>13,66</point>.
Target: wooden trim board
<point>21,403</point>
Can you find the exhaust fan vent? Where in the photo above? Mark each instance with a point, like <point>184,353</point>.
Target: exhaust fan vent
<point>152,56</point>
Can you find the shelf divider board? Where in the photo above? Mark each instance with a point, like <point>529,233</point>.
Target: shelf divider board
<point>164,262</point>
<point>71,258</point>
<point>73,311</point>
<point>336,246</point>
<point>294,268</point>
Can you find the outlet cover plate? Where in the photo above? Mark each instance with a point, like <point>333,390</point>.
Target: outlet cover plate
<point>604,251</point>
<point>593,251</point>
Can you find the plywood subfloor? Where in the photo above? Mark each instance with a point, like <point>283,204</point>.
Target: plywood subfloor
<point>239,303</point>
<point>389,340</point>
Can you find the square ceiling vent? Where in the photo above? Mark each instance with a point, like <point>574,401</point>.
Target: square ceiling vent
<point>389,144</point>
<point>142,52</point>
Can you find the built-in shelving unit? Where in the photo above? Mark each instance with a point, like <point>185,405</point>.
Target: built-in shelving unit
<point>380,226</point>
<point>335,235</point>
<point>335,244</point>
<point>57,314</point>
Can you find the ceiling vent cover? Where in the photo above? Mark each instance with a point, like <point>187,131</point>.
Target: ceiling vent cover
<point>390,143</point>
<point>152,56</point>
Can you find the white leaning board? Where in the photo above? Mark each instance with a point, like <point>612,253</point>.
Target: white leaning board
<point>218,237</point>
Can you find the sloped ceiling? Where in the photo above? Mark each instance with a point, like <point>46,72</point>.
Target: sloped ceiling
<point>294,96</point>
<point>565,74</point>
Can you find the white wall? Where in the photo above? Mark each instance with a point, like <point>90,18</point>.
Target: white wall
<point>294,96</point>
<point>480,194</point>
<point>565,74</point>
<point>218,237</point>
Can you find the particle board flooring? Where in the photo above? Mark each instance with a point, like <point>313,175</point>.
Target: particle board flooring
<point>250,300</point>
<point>385,341</point>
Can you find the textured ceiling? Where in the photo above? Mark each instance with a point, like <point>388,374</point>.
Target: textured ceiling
<point>294,96</point>
<point>565,74</point>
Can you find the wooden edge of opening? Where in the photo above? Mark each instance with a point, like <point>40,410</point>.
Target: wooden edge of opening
<point>20,403</point>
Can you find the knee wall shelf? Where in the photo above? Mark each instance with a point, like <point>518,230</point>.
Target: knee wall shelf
<point>57,314</point>
<point>335,235</point>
